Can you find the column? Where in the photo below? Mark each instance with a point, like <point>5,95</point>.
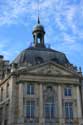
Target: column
<point>35,40</point>
<point>12,102</point>
<point>20,105</point>
<point>79,110</point>
<point>74,99</point>
<point>41,115</point>
<point>82,96</point>
<point>60,105</point>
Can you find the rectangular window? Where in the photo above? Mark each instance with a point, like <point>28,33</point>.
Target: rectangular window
<point>68,91</point>
<point>30,89</point>
<point>68,110</point>
<point>49,111</point>
<point>30,109</point>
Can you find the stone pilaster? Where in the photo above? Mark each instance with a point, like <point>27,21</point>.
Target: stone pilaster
<point>79,110</point>
<point>82,96</point>
<point>20,105</point>
<point>74,99</point>
<point>60,105</point>
<point>41,115</point>
<point>12,103</point>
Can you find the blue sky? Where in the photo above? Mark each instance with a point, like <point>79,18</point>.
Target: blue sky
<point>62,19</point>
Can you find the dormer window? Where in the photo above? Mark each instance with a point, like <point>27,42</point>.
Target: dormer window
<point>38,60</point>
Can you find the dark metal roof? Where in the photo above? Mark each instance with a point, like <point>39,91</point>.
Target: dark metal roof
<point>38,27</point>
<point>35,55</point>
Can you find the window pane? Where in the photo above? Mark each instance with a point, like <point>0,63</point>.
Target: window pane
<point>30,109</point>
<point>49,111</point>
<point>52,110</point>
<point>65,91</point>
<point>68,91</point>
<point>66,110</point>
<point>30,89</point>
<point>69,110</point>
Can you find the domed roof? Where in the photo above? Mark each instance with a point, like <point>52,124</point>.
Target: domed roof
<point>39,53</point>
<point>35,55</point>
<point>38,27</point>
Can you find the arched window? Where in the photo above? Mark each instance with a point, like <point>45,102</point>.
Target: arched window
<point>49,104</point>
<point>49,108</point>
<point>39,38</point>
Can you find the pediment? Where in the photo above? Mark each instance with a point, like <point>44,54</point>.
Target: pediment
<point>50,69</point>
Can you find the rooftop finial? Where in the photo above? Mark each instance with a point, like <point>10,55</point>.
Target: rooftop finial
<point>38,20</point>
<point>38,13</point>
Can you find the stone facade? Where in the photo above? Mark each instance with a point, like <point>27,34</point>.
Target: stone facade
<point>47,93</point>
<point>14,97</point>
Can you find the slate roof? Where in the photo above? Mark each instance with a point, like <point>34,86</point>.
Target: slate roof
<point>35,55</point>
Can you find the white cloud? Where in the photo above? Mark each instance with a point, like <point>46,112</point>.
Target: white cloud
<point>64,15</point>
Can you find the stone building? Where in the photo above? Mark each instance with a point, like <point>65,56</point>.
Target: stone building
<point>40,87</point>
